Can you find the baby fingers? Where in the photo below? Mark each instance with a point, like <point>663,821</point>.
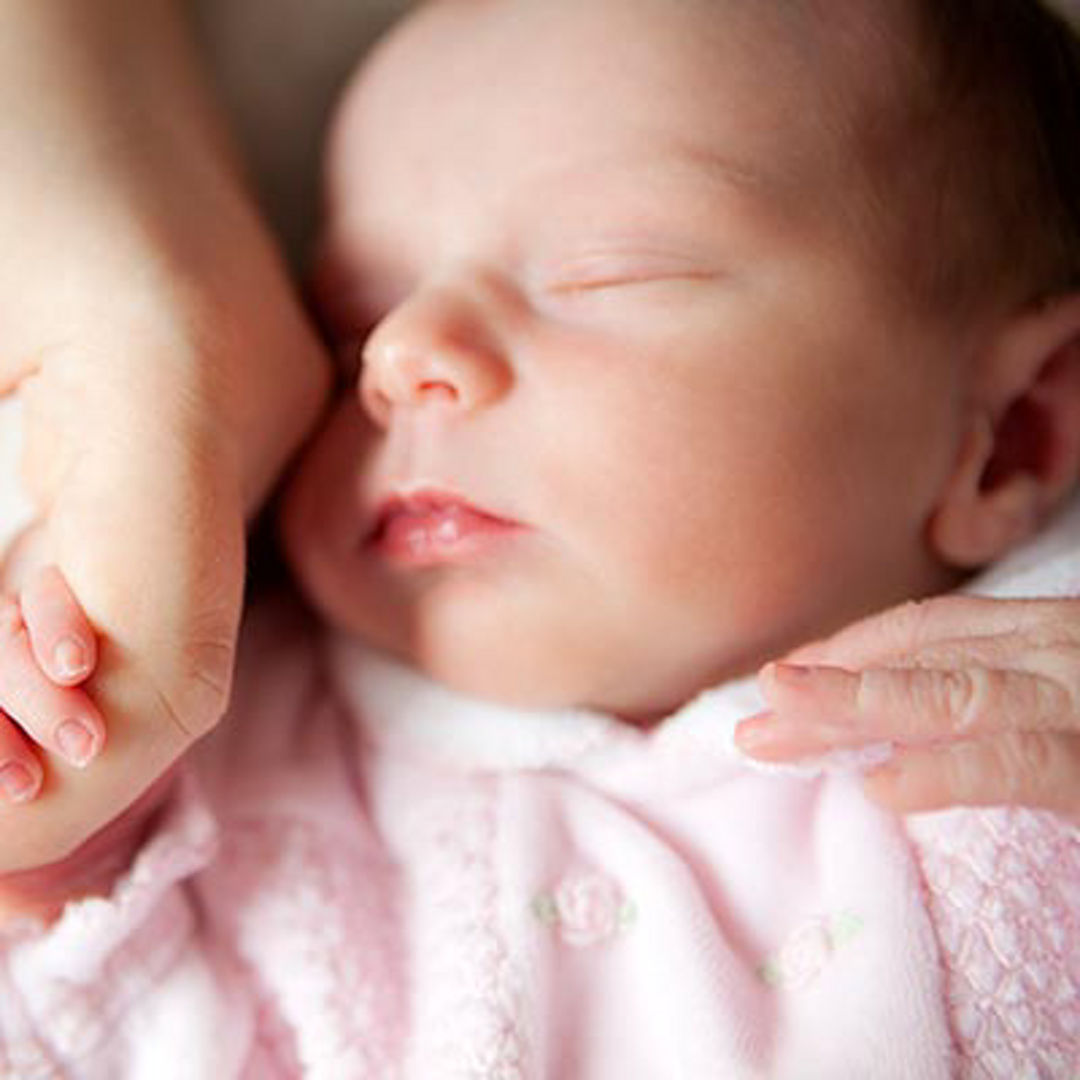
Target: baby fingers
<point>62,640</point>
<point>1040,769</point>
<point>20,771</point>
<point>62,719</point>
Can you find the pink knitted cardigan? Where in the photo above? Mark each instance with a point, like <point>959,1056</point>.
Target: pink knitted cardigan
<point>363,875</point>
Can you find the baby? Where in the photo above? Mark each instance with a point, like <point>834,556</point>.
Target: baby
<point>682,333</point>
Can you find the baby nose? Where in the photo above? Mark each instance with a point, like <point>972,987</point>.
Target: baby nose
<point>434,349</point>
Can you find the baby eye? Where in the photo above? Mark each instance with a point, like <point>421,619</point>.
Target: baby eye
<point>598,274</point>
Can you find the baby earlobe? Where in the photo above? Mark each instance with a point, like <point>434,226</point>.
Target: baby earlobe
<point>977,518</point>
<point>1019,455</point>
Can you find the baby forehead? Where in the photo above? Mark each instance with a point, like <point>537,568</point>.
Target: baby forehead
<point>559,63</point>
<point>504,95</point>
<point>810,28</point>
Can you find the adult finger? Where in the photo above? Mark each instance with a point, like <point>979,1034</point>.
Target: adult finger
<point>838,707</point>
<point>1040,769</point>
<point>61,637</point>
<point>21,773</point>
<point>61,719</point>
<point>916,627</point>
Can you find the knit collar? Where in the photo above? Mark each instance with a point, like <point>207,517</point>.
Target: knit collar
<point>403,711</point>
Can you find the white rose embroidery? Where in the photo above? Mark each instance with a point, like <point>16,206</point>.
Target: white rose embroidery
<point>803,957</point>
<point>587,908</point>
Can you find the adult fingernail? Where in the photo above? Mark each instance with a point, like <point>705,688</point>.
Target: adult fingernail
<point>17,781</point>
<point>755,731</point>
<point>769,739</point>
<point>792,673</point>
<point>77,742</point>
<point>70,659</point>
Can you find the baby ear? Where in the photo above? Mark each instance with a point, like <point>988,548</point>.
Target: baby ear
<point>1020,455</point>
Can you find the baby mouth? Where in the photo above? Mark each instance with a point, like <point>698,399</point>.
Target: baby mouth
<point>430,530</point>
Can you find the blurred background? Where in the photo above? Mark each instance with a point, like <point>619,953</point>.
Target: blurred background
<point>280,65</point>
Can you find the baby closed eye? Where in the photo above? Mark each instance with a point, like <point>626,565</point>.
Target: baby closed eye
<point>605,272</point>
<point>626,287</point>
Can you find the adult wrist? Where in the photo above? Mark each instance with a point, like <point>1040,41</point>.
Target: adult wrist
<point>121,181</point>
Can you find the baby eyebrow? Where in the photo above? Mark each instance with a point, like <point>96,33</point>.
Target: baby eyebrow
<point>667,181</point>
<point>719,167</point>
<point>658,157</point>
<point>713,185</point>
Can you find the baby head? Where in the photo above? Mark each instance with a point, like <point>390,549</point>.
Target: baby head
<point>680,331</point>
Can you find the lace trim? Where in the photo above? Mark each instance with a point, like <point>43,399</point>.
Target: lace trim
<point>1004,894</point>
<point>303,908</point>
<point>77,982</point>
<point>471,1023</point>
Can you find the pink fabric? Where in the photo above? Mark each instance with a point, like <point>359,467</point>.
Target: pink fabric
<point>1004,895</point>
<point>364,875</point>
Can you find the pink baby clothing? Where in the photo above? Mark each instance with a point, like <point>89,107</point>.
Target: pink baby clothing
<point>364,875</point>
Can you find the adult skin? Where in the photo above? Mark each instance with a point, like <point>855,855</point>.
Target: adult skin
<point>166,372</point>
<point>980,697</point>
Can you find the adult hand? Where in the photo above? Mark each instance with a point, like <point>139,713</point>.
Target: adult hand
<point>980,697</point>
<point>166,373</point>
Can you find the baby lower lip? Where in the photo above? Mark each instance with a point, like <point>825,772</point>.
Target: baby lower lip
<point>431,533</point>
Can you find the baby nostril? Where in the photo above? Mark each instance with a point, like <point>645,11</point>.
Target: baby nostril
<point>436,389</point>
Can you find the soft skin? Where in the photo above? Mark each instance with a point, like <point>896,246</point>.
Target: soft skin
<point>631,310</point>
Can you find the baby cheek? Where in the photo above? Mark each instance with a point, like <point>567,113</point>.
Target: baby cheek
<point>743,525</point>
<point>318,516</point>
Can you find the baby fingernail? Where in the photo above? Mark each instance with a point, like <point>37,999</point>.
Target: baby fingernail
<point>70,658</point>
<point>17,781</point>
<point>77,742</point>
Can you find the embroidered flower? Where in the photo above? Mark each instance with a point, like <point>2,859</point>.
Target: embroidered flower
<point>587,908</point>
<point>802,958</point>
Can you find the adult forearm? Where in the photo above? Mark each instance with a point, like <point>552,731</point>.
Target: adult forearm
<point>105,109</point>
<point>113,150</point>
<point>166,372</point>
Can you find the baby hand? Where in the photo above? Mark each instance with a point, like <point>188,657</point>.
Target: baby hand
<point>980,697</point>
<point>47,650</point>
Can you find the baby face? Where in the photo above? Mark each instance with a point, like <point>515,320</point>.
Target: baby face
<point>636,410</point>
